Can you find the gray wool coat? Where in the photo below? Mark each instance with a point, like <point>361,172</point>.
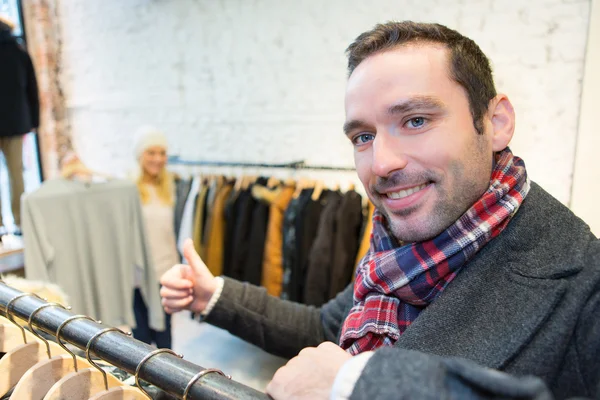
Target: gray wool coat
<point>528,304</point>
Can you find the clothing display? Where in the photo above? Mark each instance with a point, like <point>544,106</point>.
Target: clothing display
<point>253,230</point>
<point>532,286</point>
<point>89,238</point>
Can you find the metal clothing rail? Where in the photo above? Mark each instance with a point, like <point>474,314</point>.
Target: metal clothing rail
<point>176,160</point>
<point>166,371</point>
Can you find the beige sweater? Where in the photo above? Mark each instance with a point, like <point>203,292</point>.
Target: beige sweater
<point>160,232</point>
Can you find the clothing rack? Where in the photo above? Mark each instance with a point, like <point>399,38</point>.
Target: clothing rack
<point>176,160</point>
<point>166,371</point>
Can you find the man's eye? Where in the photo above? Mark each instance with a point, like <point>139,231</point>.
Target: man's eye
<point>416,122</point>
<point>363,138</point>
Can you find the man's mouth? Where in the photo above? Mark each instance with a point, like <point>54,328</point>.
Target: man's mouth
<point>406,192</point>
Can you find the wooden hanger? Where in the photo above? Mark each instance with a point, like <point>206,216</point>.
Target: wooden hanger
<point>17,361</point>
<point>249,181</point>
<point>299,188</point>
<point>273,182</point>
<point>303,183</point>
<point>237,186</point>
<point>40,378</point>
<point>316,194</point>
<point>120,393</point>
<point>85,383</point>
<point>351,187</point>
<point>290,182</point>
<point>11,336</point>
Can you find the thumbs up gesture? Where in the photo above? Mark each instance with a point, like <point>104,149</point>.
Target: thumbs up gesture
<point>187,287</point>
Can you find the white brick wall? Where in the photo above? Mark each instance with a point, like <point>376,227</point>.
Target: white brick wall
<point>263,80</point>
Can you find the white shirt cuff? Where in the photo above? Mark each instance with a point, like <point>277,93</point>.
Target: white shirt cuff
<point>348,376</point>
<point>215,297</point>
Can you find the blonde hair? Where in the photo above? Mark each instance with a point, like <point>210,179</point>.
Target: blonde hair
<point>165,189</point>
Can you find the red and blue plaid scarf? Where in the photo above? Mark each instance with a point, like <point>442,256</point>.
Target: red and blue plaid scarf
<point>395,283</point>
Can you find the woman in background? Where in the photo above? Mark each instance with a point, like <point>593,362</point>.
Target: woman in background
<point>157,193</point>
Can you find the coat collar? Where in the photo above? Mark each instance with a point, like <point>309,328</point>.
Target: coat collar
<point>504,294</point>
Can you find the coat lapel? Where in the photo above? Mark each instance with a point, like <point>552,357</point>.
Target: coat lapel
<point>487,314</point>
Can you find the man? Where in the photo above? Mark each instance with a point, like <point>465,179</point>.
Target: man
<point>19,111</point>
<point>473,269</point>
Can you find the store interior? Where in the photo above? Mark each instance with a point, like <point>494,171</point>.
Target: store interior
<point>247,100</point>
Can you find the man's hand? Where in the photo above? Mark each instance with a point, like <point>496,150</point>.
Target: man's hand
<point>187,286</point>
<point>309,375</point>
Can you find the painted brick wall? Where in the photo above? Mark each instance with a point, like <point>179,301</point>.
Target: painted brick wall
<point>263,80</point>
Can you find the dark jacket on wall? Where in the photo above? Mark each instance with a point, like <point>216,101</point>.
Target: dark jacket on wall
<point>320,259</point>
<point>231,207</point>
<point>349,221</point>
<point>19,102</point>
<point>301,221</point>
<point>256,241</point>
<point>243,225</point>
<point>527,304</point>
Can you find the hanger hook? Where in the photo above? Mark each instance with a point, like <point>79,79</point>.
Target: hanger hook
<point>89,346</point>
<point>11,317</point>
<point>200,375</point>
<point>30,323</point>
<point>59,333</point>
<point>144,360</point>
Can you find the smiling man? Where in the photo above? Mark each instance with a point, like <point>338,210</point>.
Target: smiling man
<point>478,283</point>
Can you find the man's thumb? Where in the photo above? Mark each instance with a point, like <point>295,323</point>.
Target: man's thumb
<point>191,255</point>
<point>187,273</point>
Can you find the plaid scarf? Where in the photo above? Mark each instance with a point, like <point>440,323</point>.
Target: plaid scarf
<point>395,283</point>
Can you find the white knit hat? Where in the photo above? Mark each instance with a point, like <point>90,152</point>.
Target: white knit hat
<point>146,137</point>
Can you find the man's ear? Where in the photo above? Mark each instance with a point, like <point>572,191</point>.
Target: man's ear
<point>502,116</point>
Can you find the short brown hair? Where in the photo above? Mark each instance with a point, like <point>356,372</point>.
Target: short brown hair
<point>470,68</point>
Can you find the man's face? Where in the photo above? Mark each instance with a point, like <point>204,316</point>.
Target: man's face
<point>416,150</point>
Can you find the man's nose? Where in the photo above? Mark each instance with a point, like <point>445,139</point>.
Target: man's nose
<point>388,155</point>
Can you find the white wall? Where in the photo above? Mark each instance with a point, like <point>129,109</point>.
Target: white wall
<point>586,177</point>
<point>263,80</point>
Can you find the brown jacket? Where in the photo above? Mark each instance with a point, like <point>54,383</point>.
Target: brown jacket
<point>215,231</point>
<point>272,268</point>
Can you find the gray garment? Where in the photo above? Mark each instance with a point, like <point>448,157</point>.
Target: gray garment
<point>89,238</point>
<point>182,190</point>
<point>527,304</point>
